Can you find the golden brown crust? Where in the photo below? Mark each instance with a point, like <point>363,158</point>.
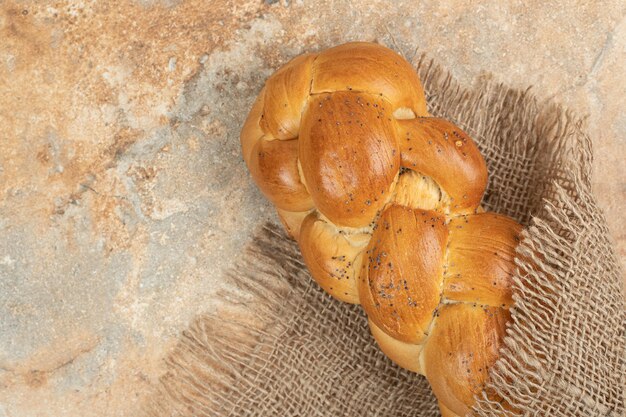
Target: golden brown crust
<point>400,287</point>
<point>349,155</point>
<point>406,355</point>
<point>332,258</point>
<point>481,259</point>
<point>274,167</point>
<point>285,97</point>
<point>251,131</point>
<point>445,411</point>
<point>462,346</point>
<point>384,203</point>
<point>368,67</point>
<point>292,220</point>
<point>439,149</point>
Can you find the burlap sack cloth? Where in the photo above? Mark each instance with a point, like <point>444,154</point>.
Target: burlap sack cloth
<point>282,347</point>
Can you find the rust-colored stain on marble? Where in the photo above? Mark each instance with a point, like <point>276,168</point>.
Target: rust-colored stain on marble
<point>123,195</point>
<point>83,81</point>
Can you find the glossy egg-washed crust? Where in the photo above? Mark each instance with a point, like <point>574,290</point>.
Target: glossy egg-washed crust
<point>383,200</point>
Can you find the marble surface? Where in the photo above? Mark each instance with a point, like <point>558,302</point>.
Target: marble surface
<point>123,195</point>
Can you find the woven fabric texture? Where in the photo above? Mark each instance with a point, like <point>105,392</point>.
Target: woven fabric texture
<point>280,346</point>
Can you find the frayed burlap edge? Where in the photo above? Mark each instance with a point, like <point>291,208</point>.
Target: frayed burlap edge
<point>280,346</point>
<point>564,352</point>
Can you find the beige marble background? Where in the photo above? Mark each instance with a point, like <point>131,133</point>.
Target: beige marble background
<point>122,192</point>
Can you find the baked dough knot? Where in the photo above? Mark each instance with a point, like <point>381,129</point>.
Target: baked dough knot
<point>384,202</point>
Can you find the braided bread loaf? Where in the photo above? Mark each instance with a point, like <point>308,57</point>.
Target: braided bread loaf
<point>384,203</point>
